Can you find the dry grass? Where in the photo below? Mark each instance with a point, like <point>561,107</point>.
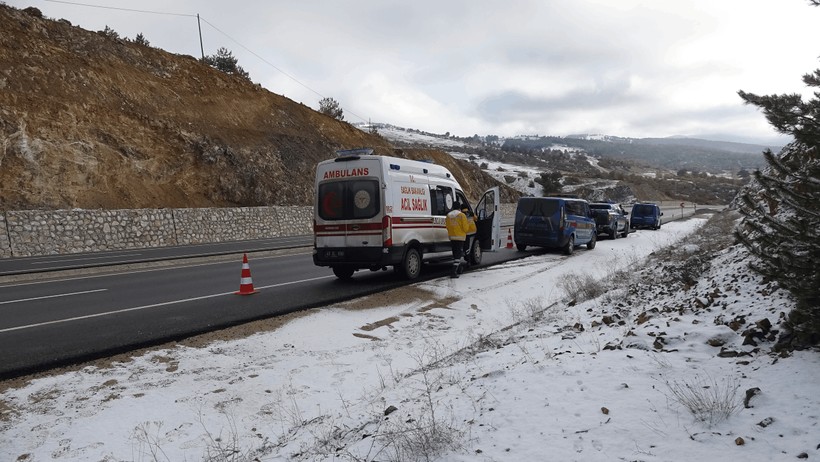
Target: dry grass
<point>708,400</point>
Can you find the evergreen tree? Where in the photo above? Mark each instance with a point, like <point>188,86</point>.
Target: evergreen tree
<point>141,40</point>
<point>781,210</point>
<point>110,33</point>
<point>550,182</point>
<point>224,61</point>
<point>331,107</point>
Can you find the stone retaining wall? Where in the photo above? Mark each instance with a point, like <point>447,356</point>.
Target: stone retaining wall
<point>52,232</point>
<point>29,233</point>
<point>5,244</point>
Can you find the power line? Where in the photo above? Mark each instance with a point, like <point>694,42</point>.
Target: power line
<point>259,57</point>
<point>272,65</point>
<point>121,9</point>
<point>215,28</point>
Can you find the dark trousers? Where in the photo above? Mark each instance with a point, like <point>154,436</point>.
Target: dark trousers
<point>458,249</point>
<point>458,252</point>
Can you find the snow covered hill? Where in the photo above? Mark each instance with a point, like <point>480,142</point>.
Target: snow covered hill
<point>519,177</point>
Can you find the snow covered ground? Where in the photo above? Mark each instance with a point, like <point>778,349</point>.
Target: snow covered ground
<point>506,363</point>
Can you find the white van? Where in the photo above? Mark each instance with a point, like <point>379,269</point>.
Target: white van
<point>375,211</point>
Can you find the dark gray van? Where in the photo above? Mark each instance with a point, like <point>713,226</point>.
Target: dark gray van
<point>554,222</point>
<point>646,215</point>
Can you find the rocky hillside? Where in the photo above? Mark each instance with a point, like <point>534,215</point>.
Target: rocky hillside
<point>91,121</point>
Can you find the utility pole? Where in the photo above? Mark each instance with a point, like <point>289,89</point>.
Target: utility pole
<point>199,26</point>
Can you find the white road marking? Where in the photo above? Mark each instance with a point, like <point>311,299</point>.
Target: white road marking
<point>148,270</point>
<point>105,257</point>
<point>52,296</point>
<point>155,305</point>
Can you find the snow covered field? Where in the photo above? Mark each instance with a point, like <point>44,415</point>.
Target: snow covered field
<point>500,364</point>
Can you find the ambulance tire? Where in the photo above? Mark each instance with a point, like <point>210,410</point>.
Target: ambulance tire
<point>410,266</point>
<point>343,272</point>
<point>475,253</point>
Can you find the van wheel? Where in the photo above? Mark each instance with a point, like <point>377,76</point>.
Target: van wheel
<point>343,272</point>
<point>591,243</point>
<point>570,245</point>
<point>411,265</point>
<point>613,233</point>
<point>475,253</point>
<point>521,247</point>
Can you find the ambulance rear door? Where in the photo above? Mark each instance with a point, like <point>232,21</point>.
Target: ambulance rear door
<point>349,207</point>
<point>488,223</point>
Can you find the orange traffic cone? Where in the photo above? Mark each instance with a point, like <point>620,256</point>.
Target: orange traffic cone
<point>246,283</point>
<point>509,239</point>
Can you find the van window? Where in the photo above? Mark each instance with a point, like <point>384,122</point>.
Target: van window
<point>465,204</point>
<point>347,200</point>
<point>576,208</point>
<point>438,196</point>
<point>643,209</point>
<point>533,206</point>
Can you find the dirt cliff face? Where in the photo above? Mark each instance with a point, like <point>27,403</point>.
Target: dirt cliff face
<point>90,121</point>
<point>93,122</point>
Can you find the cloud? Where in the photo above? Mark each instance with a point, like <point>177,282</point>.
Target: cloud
<point>631,67</point>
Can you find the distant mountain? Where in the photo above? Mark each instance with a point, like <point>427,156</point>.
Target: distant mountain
<point>727,146</point>
<point>669,153</point>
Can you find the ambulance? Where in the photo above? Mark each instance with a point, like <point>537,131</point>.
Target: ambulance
<point>372,212</point>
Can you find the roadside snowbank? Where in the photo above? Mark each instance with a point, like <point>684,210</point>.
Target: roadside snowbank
<point>495,365</point>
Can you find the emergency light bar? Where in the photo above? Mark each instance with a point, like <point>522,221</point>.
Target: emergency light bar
<point>354,152</point>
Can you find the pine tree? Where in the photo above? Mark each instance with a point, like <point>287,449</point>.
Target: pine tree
<point>141,40</point>
<point>331,107</point>
<point>550,182</point>
<point>110,33</point>
<point>781,210</point>
<point>224,61</point>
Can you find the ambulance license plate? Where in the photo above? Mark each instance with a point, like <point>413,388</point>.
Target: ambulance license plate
<point>334,254</point>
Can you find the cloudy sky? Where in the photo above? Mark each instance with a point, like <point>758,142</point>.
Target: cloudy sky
<point>640,68</point>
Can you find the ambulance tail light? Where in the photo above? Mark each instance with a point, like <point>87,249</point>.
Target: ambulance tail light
<point>387,231</point>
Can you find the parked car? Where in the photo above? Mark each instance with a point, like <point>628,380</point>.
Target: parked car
<point>554,222</point>
<point>610,219</point>
<point>645,216</point>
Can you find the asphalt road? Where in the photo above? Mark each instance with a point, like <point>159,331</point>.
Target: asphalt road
<point>56,318</point>
<point>26,265</point>
<point>66,320</point>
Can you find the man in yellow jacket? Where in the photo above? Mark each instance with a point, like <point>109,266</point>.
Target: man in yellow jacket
<point>458,227</point>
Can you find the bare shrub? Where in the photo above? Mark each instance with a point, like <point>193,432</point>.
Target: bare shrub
<point>708,400</point>
<point>225,446</point>
<point>149,438</point>
<point>419,440</point>
<point>581,287</point>
<point>530,311</point>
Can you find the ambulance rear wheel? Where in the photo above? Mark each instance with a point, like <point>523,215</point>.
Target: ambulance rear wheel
<point>475,253</point>
<point>343,272</point>
<point>411,265</point>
